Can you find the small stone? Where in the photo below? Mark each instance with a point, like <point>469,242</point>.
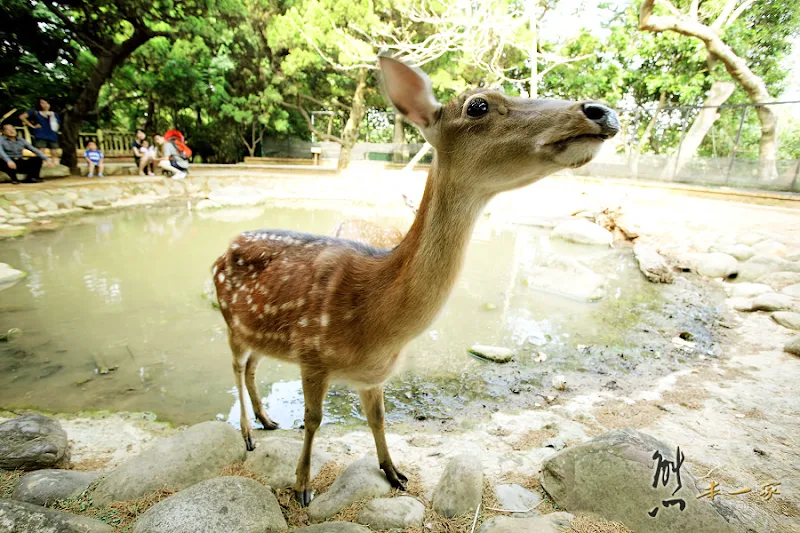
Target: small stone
<point>715,265</point>
<point>495,354</point>
<point>8,231</point>
<point>748,290</point>
<point>20,220</point>
<point>793,346</point>
<point>15,196</point>
<point>9,276</point>
<point>14,210</point>
<point>517,499</point>
<point>744,305</point>
<point>750,239</point>
<point>362,479</point>
<point>792,290</point>
<point>84,203</point>
<point>275,459</point>
<point>760,265</point>
<point>32,208</point>
<point>555,443</point>
<point>205,203</point>
<point>333,527</point>
<point>773,302</point>
<point>45,487</point>
<point>231,504</point>
<point>161,190</point>
<point>174,462</point>
<point>652,264</point>
<point>460,488</point>
<point>32,442</point>
<point>47,205</point>
<point>583,232</point>
<point>551,523</point>
<point>62,201</point>
<point>741,252</point>
<point>392,513</point>
<point>559,382</point>
<point>779,280</point>
<point>787,319</point>
<point>770,247</point>
<point>20,517</point>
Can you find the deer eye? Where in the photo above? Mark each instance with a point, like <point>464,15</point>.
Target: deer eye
<point>477,107</point>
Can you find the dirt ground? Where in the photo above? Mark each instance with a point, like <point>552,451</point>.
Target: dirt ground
<point>736,417</point>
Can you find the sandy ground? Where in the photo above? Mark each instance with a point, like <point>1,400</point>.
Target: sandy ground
<point>737,417</point>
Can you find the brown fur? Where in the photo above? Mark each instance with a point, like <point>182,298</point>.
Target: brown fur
<point>344,311</point>
<point>367,232</point>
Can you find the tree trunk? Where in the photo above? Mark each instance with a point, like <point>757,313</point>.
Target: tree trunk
<point>353,125</point>
<point>736,66</point>
<point>86,102</point>
<point>400,148</point>
<point>718,95</point>
<point>149,123</point>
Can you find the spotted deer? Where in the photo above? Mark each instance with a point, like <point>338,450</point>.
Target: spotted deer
<point>343,311</point>
<point>366,232</point>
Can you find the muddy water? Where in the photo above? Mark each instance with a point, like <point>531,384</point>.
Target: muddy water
<point>112,318</point>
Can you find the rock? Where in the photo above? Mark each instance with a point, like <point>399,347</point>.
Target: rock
<point>392,513</point>
<point>205,203</point>
<point>787,319</point>
<point>741,252</point>
<point>57,171</point>
<point>652,264</point>
<point>551,523</point>
<point>567,277</point>
<point>770,247</point>
<point>612,476</point>
<point>496,354</point>
<point>8,232</point>
<point>362,479</point>
<point>32,208</point>
<point>760,265</point>
<point>14,210</point>
<point>460,488</point>
<point>773,301</point>
<point>583,232</point>
<point>232,504</point>
<point>238,195</point>
<point>555,443</point>
<point>44,487</point>
<point>84,203</point>
<point>559,382</point>
<point>15,196</point>
<point>748,290</point>
<point>744,305</point>
<point>47,205</point>
<point>20,517</point>
<point>332,527</point>
<point>9,276</point>
<point>779,280</point>
<point>275,459</point>
<point>793,346</point>
<point>62,201</point>
<point>513,497</point>
<point>161,190</point>
<point>715,265</point>
<point>792,290</point>
<point>20,220</point>
<point>174,462</point>
<point>751,239</point>
<point>32,442</point>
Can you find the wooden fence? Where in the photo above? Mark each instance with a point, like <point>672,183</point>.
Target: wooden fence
<point>111,143</point>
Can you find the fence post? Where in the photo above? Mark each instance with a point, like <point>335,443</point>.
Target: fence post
<point>680,145</point>
<point>796,175</point>
<point>736,145</point>
<point>100,145</point>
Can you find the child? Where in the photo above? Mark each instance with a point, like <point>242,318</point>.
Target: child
<point>147,158</point>
<point>94,157</point>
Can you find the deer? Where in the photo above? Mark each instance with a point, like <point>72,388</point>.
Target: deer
<point>343,311</point>
<point>370,233</point>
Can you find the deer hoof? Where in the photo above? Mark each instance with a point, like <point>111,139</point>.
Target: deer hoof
<point>396,478</point>
<point>248,441</point>
<point>268,423</point>
<point>304,497</point>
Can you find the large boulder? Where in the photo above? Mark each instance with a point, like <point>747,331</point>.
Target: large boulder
<point>460,488</point>
<point>275,459</point>
<point>787,319</point>
<point>362,479</point>
<point>780,280</point>
<point>760,265</point>
<point>32,442</point>
<point>175,462</point>
<point>653,265</point>
<point>583,232</point>
<point>45,487</point>
<point>229,504</point>
<point>741,252</point>
<point>551,523</point>
<point>567,277</point>
<point>793,346</point>
<point>715,265</point>
<point>20,517</point>
<point>792,290</point>
<point>392,513</point>
<point>773,301</point>
<point>748,290</point>
<point>613,476</point>
<point>333,527</point>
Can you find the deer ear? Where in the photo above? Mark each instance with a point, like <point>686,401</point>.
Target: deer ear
<point>410,92</point>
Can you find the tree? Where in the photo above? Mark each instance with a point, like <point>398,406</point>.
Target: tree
<point>110,31</point>
<point>691,25</point>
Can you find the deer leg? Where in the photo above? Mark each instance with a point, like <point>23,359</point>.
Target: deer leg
<point>255,399</point>
<point>315,385</point>
<point>372,403</point>
<point>240,356</point>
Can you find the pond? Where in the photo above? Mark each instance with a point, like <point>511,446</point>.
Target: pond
<point>113,318</point>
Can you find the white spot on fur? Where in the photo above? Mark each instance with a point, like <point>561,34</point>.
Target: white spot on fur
<point>285,278</point>
<point>240,262</point>
<point>254,308</point>
<point>223,305</point>
<point>235,297</point>
<point>300,302</point>
<point>323,321</point>
<point>303,322</point>
<point>221,277</point>
<point>214,271</point>
<point>234,246</point>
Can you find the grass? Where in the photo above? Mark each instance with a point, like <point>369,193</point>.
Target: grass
<point>119,515</point>
<point>534,438</point>
<point>592,524</point>
<point>8,481</point>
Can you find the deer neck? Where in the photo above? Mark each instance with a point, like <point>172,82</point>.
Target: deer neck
<point>421,271</point>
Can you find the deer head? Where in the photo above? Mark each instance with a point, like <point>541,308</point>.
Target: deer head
<point>492,142</point>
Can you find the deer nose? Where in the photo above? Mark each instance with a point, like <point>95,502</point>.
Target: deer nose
<point>603,116</point>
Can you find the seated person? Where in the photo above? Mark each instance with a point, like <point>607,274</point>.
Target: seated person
<point>136,146</point>
<point>147,158</point>
<point>94,158</point>
<point>11,160</point>
<point>170,159</point>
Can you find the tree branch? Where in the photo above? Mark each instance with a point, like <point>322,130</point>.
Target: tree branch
<point>324,104</point>
<point>311,128</point>
<point>739,10</point>
<point>565,61</point>
<point>693,9</point>
<point>724,15</point>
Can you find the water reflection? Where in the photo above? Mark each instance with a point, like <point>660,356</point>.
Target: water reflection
<point>124,290</point>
